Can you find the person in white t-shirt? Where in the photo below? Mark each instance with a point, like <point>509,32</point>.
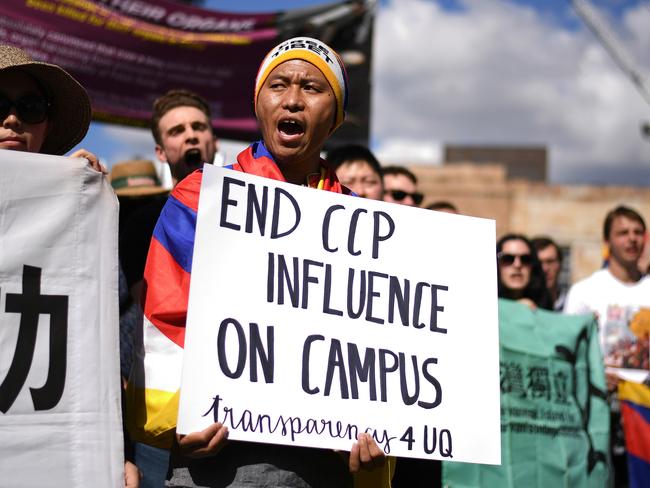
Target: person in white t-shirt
<point>619,295</point>
<point>617,292</point>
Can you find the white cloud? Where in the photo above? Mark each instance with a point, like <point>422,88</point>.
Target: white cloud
<point>394,150</point>
<point>498,72</point>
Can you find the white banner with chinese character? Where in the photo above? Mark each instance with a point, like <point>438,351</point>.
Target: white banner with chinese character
<point>60,416</point>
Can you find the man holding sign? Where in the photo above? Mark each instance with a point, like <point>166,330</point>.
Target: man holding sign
<point>300,99</point>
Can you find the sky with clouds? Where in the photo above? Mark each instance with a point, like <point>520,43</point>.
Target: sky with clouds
<point>491,72</point>
<point>503,72</point>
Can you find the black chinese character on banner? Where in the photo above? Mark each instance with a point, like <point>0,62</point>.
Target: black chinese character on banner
<point>512,379</point>
<point>30,305</point>
<point>539,385</point>
<point>561,383</point>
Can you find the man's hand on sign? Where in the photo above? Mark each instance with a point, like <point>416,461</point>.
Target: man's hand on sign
<point>365,454</point>
<point>202,444</point>
<point>93,161</point>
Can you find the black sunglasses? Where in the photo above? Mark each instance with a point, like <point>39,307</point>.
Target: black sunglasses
<point>509,259</point>
<point>31,109</point>
<point>400,195</point>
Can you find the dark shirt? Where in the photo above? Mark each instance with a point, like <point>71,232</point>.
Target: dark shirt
<point>255,465</point>
<point>135,238</point>
<point>417,473</point>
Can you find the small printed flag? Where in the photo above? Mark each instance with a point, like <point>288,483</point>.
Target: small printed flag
<point>635,411</point>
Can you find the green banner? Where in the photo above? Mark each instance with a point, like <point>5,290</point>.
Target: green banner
<point>554,414</point>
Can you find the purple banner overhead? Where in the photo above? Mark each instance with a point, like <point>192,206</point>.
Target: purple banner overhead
<point>126,53</point>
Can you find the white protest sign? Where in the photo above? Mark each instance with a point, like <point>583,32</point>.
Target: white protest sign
<point>315,316</point>
<point>60,420</point>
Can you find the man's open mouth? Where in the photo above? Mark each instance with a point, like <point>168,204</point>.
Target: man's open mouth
<point>290,127</point>
<point>193,157</point>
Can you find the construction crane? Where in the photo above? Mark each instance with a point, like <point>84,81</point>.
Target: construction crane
<point>617,51</point>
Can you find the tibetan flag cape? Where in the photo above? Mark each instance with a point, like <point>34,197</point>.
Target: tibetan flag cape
<point>153,392</point>
<point>554,414</point>
<point>635,410</point>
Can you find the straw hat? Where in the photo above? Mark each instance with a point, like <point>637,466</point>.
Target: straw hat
<point>69,114</point>
<point>135,178</point>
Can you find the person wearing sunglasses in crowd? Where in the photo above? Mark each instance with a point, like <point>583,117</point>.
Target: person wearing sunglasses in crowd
<point>42,108</point>
<point>400,186</point>
<point>520,275</point>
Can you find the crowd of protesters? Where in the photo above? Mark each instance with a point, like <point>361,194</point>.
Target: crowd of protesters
<point>300,100</point>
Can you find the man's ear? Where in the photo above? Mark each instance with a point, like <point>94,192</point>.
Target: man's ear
<point>160,154</point>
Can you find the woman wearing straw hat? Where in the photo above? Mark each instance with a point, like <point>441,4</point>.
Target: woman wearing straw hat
<point>45,110</point>
<point>300,98</point>
<point>42,108</point>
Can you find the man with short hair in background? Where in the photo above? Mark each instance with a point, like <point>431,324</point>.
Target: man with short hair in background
<point>550,256</point>
<point>400,186</point>
<point>618,295</point>
<point>358,169</point>
<point>183,132</point>
<point>185,140</point>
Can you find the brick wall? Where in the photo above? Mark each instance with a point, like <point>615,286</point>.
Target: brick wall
<point>571,215</point>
